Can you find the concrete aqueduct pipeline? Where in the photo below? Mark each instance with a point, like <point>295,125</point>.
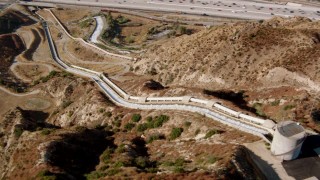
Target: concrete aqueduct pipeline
<point>284,144</point>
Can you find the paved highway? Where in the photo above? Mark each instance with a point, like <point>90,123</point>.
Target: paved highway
<point>111,90</point>
<point>231,9</point>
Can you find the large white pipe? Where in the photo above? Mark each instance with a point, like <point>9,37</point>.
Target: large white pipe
<point>198,101</point>
<point>164,98</point>
<point>250,118</point>
<point>225,109</point>
<point>109,87</point>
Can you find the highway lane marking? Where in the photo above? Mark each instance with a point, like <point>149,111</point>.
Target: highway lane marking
<point>226,9</point>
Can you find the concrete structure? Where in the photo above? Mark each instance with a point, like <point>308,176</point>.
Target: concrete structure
<point>287,140</point>
<point>229,9</point>
<point>121,98</point>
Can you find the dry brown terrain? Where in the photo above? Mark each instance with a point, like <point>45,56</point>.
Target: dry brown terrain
<point>79,22</point>
<point>238,55</point>
<point>277,56</point>
<point>69,129</point>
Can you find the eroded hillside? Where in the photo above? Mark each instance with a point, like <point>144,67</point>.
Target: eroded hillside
<point>241,56</point>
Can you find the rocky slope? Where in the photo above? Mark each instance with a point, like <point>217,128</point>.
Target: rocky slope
<point>265,54</point>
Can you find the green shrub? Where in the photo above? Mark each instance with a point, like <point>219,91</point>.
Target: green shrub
<point>155,137</point>
<point>66,103</point>
<point>46,175</point>
<point>101,110</point>
<point>108,114</point>
<point>212,159</point>
<point>149,119</point>
<point>114,29</point>
<point>85,23</point>
<point>119,164</point>
<point>142,127</point>
<point>197,132</point>
<point>121,149</point>
<point>46,131</point>
<point>129,126</point>
<point>113,171</point>
<point>187,124</point>
<point>122,20</point>
<point>258,107</point>
<point>175,133</point>
<point>152,170</point>
<point>136,117</point>
<point>275,103</point>
<point>141,162</point>
<point>66,74</point>
<point>18,131</point>
<point>177,164</point>
<point>158,122</point>
<point>117,123</point>
<point>95,175</point>
<point>106,155</point>
<point>178,169</point>
<point>49,76</point>
<point>288,107</point>
<point>211,133</point>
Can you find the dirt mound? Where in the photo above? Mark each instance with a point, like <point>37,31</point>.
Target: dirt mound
<point>243,55</point>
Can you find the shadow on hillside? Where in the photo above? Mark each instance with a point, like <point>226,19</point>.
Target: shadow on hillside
<point>35,119</point>
<point>237,98</point>
<point>78,153</point>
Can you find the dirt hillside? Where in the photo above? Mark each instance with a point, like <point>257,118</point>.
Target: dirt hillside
<point>273,53</point>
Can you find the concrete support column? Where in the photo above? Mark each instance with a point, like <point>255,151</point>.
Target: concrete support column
<point>186,99</point>
<point>126,97</point>
<point>210,104</point>
<point>142,99</point>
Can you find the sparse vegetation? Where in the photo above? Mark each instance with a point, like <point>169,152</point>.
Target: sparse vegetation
<point>113,30</point>
<point>18,131</point>
<point>275,103</point>
<point>142,127</point>
<point>154,137</point>
<point>86,23</point>
<point>136,117</point>
<point>46,175</point>
<point>108,114</point>
<point>210,133</point>
<point>122,20</point>
<point>46,131</point>
<point>49,76</point>
<point>211,159</point>
<point>197,132</point>
<point>288,107</point>
<point>121,149</point>
<point>66,103</point>
<point>187,124</point>
<point>95,175</point>
<point>175,133</point>
<point>158,121</point>
<point>259,109</point>
<point>129,126</point>
<point>177,165</point>
<point>101,110</point>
